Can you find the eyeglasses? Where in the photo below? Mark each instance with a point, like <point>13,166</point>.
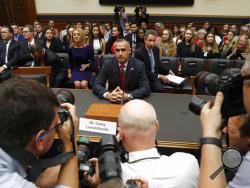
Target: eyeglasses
<point>59,125</point>
<point>245,77</point>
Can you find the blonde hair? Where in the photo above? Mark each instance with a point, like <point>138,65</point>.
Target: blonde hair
<point>169,45</point>
<point>246,48</point>
<point>82,35</point>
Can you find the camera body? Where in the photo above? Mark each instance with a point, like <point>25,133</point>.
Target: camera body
<point>229,83</point>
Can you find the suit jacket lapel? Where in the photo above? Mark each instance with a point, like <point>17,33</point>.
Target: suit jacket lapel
<point>147,59</point>
<point>129,71</point>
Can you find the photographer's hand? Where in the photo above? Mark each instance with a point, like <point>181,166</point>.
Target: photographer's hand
<point>93,180</point>
<point>211,117</point>
<point>68,174</point>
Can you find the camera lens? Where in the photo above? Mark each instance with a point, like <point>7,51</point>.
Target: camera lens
<point>207,82</point>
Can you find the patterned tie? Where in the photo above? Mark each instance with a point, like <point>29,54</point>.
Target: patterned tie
<point>122,77</point>
<point>152,60</point>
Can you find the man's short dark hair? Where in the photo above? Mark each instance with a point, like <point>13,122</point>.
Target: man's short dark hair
<point>150,32</point>
<point>31,28</point>
<point>9,28</point>
<point>26,107</point>
<point>36,48</point>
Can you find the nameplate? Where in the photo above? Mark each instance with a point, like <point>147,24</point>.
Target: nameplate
<point>97,126</point>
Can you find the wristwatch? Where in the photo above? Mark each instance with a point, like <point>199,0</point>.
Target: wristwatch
<point>130,97</point>
<point>211,140</point>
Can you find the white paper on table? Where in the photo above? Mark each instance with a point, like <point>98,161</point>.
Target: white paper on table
<point>175,79</point>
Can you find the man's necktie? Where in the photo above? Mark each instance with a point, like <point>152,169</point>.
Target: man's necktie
<point>152,60</point>
<point>122,77</point>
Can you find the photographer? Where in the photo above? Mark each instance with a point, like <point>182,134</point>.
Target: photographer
<point>141,14</point>
<point>211,152</point>
<point>121,17</point>
<point>29,123</point>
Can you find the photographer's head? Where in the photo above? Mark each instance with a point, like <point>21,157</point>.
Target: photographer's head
<point>138,125</point>
<point>27,109</point>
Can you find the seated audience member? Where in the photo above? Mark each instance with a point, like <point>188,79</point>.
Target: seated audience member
<point>86,31</point>
<point>180,35</point>
<point>239,50</point>
<point>126,29</point>
<point>199,37</point>
<point>132,38</point>
<point>104,32</point>
<point>116,33</point>
<point>167,45</point>
<point>81,58</point>
<point>97,41</point>
<point>214,31</point>
<point>175,31</point>
<point>144,25</point>
<point>46,57</point>
<point>243,31</point>
<point>52,24</point>
<point>67,39</point>
<point>26,58</point>
<point>138,126</point>
<point>226,44</point>
<point>125,75</point>
<point>224,31</point>
<point>150,55</point>
<point>187,48</point>
<point>159,28</point>
<point>140,39</point>
<point>52,43</point>
<point>210,47</point>
<point>29,123</point>
<point>39,31</point>
<point>9,52</point>
<point>17,36</point>
<point>211,150</point>
<point>206,25</point>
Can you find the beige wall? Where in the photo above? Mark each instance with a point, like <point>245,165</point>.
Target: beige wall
<point>223,8</point>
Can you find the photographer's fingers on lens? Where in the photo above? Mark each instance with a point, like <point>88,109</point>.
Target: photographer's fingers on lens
<point>218,101</point>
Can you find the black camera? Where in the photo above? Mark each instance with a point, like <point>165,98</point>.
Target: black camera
<point>109,159</point>
<point>64,96</point>
<point>130,184</point>
<point>84,154</point>
<point>229,83</point>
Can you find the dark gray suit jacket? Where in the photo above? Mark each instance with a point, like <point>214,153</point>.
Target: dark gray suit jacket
<point>136,80</point>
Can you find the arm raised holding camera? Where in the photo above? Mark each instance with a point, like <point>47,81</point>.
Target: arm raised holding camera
<point>211,153</point>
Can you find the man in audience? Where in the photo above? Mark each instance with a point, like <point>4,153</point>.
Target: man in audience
<point>26,58</point>
<point>17,36</point>
<point>39,31</point>
<point>9,52</point>
<point>144,25</point>
<point>132,37</point>
<point>150,55</point>
<point>138,126</point>
<point>211,151</point>
<point>52,24</point>
<point>45,57</point>
<point>126,29</point>
<point>126,76</point>
<point>29,123</point>
<point>104,32</point>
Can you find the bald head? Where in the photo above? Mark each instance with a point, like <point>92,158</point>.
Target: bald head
<point>137,114</point>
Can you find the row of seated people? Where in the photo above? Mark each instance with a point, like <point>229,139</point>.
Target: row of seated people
<point>82,59</point>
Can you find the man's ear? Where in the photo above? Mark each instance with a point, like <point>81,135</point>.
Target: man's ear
<point>39,140</point>
<point>157,125</point>
<point>121,134</point>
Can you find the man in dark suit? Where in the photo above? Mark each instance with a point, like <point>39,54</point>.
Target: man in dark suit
<point>126,76</point>
<point>149,54</point>
<point>26,58</point>
<point>9,52</point>
<point>45,57</point>
<point>132,37</point>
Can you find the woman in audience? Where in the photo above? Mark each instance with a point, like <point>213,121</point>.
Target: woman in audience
<point>213,30</point>
<point>187,48</point>
<point>98,43</point>
<point>167,45</point>
<point>140,38</point>
<point>199,38</point>
<point>52,43</point>
<point>226,44</point>
<point>210,48</point>
<point>224,31</point>
<point>81,60</point>
<point>67,38</point>
<point>175,31</point>
<point>240,49</point>
<point>116,33</point>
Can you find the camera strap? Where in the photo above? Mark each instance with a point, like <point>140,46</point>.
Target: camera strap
<point>35,166</point>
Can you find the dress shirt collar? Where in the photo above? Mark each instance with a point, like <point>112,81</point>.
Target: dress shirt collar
<point>143,154</point>
<point>125,65</point>
<point>149,50</point>
<point>31,42</point>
